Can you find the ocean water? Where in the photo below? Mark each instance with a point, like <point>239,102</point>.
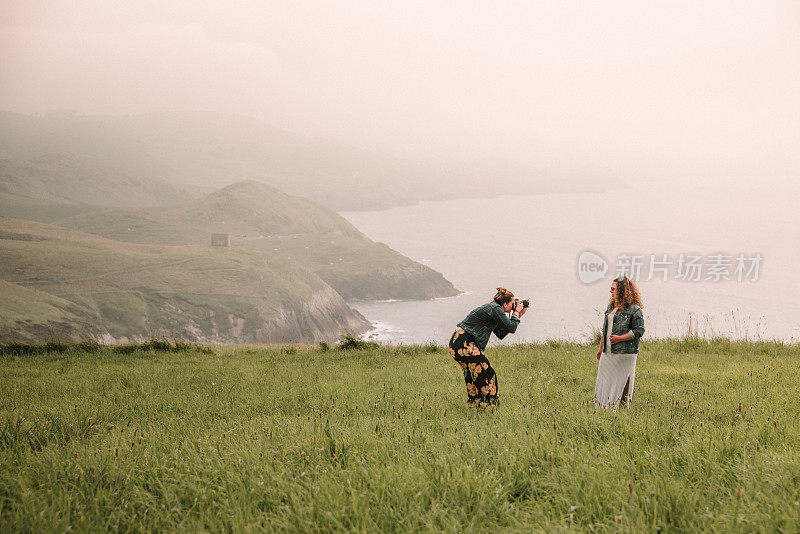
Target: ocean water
<point>532,245</point>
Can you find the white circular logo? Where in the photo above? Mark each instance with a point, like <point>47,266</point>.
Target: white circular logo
<point>591,267</point>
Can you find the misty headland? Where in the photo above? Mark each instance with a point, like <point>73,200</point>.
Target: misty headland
<point>148,186</point>
<point>172,180</point>
<point>288,267</point>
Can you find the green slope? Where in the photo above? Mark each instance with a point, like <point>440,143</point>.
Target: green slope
<point>27,313</point>
<point>17,207</point>
<point>357,269</point>
<point>283,227</point>
<point>60,179</point>
<point>122,290</point>
<point>245,208</point>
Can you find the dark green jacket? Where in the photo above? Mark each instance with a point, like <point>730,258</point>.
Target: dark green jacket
<point>627,321</point>
<point>487,319</point>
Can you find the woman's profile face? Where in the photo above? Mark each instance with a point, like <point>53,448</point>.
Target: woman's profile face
<point>508,306</point>
<point>613,290</point>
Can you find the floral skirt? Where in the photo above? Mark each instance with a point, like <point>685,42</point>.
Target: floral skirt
<point>478,373</point>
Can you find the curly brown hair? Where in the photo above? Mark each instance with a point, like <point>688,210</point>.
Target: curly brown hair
<point>627,294</point>
<point>503,295</point>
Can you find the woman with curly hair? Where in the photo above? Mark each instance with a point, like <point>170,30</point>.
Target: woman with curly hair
<point>623,327</point>
<point>470,339</point>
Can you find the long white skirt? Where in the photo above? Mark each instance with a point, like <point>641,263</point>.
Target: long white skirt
<point>613,373</point>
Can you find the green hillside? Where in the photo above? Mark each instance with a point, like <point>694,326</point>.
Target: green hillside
<point>16,207</point>
<point>58,179</point>
<point>245,208</point>
<point>77,283</point>
<point>357,269</point>
<point>27,313</point>
<point>283,227</point>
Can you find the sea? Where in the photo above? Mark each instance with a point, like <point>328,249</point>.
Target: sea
<point>711,261</point>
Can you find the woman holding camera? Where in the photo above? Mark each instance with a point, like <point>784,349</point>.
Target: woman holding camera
<point>623,327</point>
<point>470,339</point>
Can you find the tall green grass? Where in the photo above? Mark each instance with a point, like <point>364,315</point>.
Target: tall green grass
<point>299,438</point>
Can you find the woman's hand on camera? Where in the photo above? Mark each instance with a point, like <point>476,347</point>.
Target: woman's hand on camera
<point>520,309</point>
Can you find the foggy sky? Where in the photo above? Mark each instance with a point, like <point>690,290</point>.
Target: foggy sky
<point>668,90</point>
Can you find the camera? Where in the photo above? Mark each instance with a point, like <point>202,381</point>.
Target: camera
<point>525,303</point>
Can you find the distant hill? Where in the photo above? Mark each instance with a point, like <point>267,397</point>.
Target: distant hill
<point>284,227</point>
<point>215,150</point>
<point>245,208</point>
<point>61,284</point>
<point>60,179</point>
<point>52,187</point>
<point>17,207</point>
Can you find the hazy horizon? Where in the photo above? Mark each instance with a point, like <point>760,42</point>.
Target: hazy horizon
<point>681,92</point>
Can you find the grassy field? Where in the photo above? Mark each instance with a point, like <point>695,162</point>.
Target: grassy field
<point>379,439</point>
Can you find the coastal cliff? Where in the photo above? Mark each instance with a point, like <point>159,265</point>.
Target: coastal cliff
<point>404,281</point>
<point>311,321</point>
<point>128,275</point>
<point>324,318</point>
<point>63,285</point>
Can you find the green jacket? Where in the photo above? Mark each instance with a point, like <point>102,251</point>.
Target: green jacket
<point>487,319</point>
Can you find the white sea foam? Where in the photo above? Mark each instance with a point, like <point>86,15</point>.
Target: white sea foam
<point>382,332</point>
